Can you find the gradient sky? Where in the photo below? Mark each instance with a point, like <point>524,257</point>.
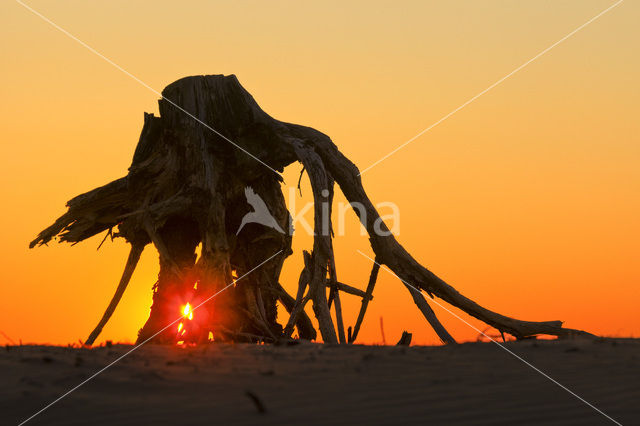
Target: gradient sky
<point>526,200</point>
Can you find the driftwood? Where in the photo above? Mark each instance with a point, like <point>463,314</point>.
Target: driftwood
<point>186,190</point>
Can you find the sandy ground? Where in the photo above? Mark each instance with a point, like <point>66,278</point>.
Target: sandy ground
<point>473,383</point>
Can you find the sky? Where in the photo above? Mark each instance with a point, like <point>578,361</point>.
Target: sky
<point>526,200</point>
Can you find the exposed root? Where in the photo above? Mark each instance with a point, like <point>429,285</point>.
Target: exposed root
<point>430,316</point>
<point>365,301</point>
<point>132,262</point>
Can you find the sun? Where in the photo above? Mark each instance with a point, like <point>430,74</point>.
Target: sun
<point>187,311</point>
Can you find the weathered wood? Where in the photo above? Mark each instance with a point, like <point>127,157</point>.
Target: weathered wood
<point>184,171</point>
<point>430,316</point>
<point>132,262</point>
<point>301,299</point>
<point>365,300</point>
<point>333,285</point>
<point>301,320</point>
<point>321,241</point>
<point>88,214</point>
<point>345,288</point>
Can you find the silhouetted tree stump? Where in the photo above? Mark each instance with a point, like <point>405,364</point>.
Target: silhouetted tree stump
<point>185,188</point>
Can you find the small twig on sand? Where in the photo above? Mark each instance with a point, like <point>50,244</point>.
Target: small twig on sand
<point>257,402</point>
<point>405,340</point>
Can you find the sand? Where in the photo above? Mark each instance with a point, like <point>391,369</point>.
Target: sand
<point>473,383</point>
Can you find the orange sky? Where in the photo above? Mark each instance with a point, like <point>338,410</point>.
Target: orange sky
<point>526,200</point>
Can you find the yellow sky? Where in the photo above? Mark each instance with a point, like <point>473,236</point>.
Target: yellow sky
<point>526,200</point>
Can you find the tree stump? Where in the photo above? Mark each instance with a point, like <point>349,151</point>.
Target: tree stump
<point>186,188</point>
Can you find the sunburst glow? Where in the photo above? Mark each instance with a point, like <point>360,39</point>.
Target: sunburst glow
<point>187,311</point>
